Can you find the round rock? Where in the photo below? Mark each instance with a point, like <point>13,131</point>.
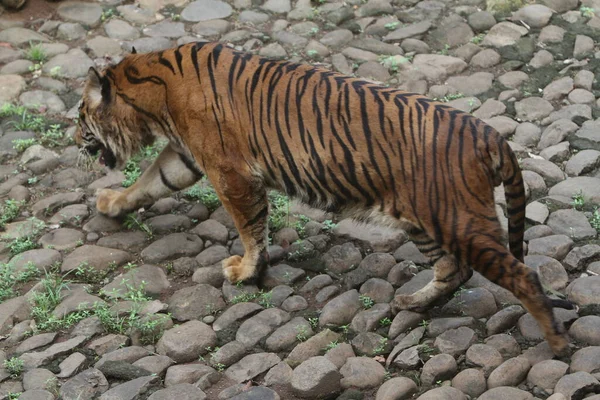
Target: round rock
<point>316,377</point>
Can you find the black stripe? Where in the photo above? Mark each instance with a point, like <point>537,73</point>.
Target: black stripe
<point>260,215</point>
<point>166,182</point>
<point>191,165</point>
<point>165,62</point>
<point>179,58</point>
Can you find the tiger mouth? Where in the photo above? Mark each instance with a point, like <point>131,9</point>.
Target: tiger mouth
<point>107,156</point>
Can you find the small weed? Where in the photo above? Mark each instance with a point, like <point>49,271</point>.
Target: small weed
<point>9,278</point>
<point>587,12</point>
<point>52,136</point>
<point>445,51</point>
<point>33,180</point>
<point>220,367</point>
<point>36,67</point>
<point>578,201</point>
<point>133,222</point>
<point>14,366</point>
<point>21,145</point>
<point>244,298</point>
<point>595,220</point>
<point>10,211</point>
<point>478,39</point>
<point>265,299</point>
<point>205,194</point>
<point>332,345</point>
<point>132,172</point>
<point>450,97</point>
<point>392,25</point>
<point>55,71</point>
<point>36,53</point>
<point>175,17</point>
<point>27,121</point>
<point>88,274</point>
<point>312,53</point>
<point>329,225</point>
<point>108,14</point>
<point>314,322</point>
<point>22,244</point>
<point>366,301</point>
<point>13,396</point>
<point>302,334</point>
<point>385,322</point>
<point>381,346</point>
<point>424,323</point>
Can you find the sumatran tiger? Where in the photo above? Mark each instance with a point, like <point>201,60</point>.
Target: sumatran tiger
<point>335,142</point>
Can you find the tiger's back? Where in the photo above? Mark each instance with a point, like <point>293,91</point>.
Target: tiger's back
<point>338,143</point>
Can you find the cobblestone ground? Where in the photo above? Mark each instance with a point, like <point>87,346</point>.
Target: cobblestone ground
<point>137,308</point>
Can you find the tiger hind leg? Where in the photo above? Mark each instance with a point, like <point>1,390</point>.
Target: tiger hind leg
<point>496,263</point>
<point>448,276</point>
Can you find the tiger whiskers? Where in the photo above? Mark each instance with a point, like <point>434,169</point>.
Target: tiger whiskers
<point>85,160</point>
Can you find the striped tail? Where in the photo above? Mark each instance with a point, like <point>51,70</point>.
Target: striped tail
<point>516,201</point>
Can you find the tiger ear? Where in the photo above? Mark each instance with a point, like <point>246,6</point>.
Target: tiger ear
<point>98,87</point>
<point>133,50</point>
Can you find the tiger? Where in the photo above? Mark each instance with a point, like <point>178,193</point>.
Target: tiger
<point>343,144</point>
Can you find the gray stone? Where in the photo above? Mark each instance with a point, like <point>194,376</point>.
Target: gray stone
<point>399,388</point>
<point>535,15</point>
<point>361,373</point>
<point>73,64</point>
<point>533,108</point>
<point>186,342</point>
<point>85,13</point>
<point>471,382</point>
<point>586,329</point>
<point>586,360</point>
<point>585,290</point>
<point>251,366</point>
<point>555,246</point>
<point>340,310</point>
<point>175,245</point>
<point>546,374</point>
<point>204,10</point>
<point>455,341</point>
<point>506,393</point>
<point>484,356</point>
<point>311,348</point>
<point>316,377</point>
<point>444,392</point>
<point>510,373</point>
<point>569,384</point>
<point>260,326</point>
<point>195,302</point>
<point>437,368</point>
<point>182,391</point>
<point>84,386</point>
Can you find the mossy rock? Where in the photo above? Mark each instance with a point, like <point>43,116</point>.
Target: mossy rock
<point>504,7</point>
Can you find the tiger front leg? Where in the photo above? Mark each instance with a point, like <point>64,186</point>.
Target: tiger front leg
<point>169,173</point>
<point>245,199</point>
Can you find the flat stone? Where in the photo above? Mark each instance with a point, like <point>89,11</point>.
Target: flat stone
<point>361,373</point>
<point>18,36</point>
<point>84,386</point>
<point>471,382</point>
<point>204,10</point>
<point>186,342</point>
<point>251,366</point>
<point>235,313</point>
<point>444,392</point>
<point>547,373</point>
<point>586,329</point>
<point>569,384</point>
<point>455,341</point>
<point>36,359</point>
<point>340,310</point>
<point>259,326</point>
<point>99,258</point>
<point>510,373</point>
<point>73,64</point>
<point>316,377</point>
<point>311,348</point>
<point>506,393</point>
<point>85,13</point>
<point>175,245</point>
<point>182,391</point>
<point>586,360</point>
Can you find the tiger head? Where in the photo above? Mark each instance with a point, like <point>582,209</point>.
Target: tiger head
<point>108,126</point>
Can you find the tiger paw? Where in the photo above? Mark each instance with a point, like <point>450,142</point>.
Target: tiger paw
<point>235,270</point>
<point>405,302</point>
<point>111,203</point>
